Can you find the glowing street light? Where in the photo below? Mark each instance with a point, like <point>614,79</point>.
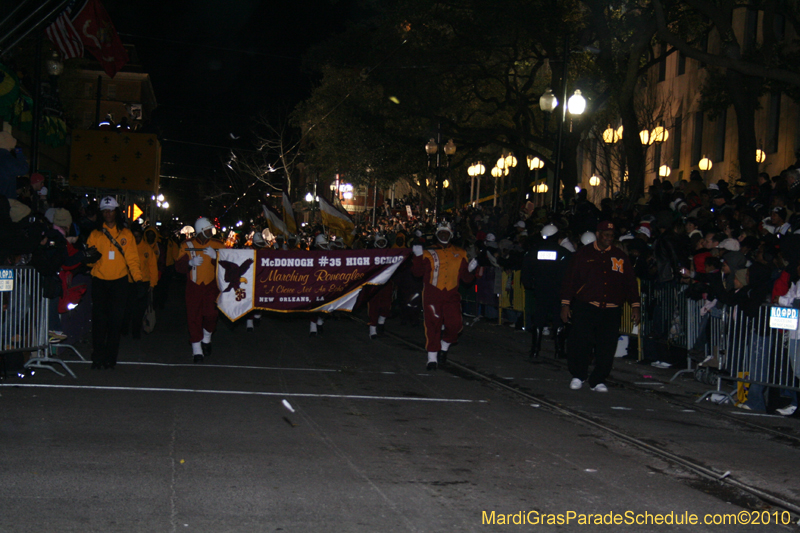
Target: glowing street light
<point>577,103</point>
<point>534,163</point>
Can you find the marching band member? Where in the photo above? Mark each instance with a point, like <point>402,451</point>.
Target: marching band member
<point>442,269</point>
<point>198,259</point>
<point>317,323</point>
<point>380,305</point>
<point>259,243</point>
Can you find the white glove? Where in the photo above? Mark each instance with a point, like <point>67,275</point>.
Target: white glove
<point>472,265</point>
<point>417,249</point>
<point>196,261</point>
<point>210,252</point>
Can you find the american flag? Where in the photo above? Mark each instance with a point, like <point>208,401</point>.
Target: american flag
<point>63,34</point>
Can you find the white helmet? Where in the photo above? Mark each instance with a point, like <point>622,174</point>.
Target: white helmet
<point>588,237</point>
<point>321,242</point>
<point>444,228</point>
<point>258,240</point>
<point>201,225</point>
<point>108,203</point>
<point>549,230</point>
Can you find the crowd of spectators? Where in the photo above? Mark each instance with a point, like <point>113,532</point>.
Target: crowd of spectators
<point>735,244</point>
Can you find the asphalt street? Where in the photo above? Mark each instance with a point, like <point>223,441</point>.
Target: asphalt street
<point>281,432</point>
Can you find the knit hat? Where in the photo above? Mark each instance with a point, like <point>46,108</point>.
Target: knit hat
<point>735,260</point>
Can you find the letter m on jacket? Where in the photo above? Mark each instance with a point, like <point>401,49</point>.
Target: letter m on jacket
<point>617,264</point>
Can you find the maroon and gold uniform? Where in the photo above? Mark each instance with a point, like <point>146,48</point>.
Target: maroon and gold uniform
<point>201,286</point>
<point>442,269</point>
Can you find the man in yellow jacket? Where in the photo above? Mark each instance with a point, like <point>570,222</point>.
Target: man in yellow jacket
<point>198,260</point>
<point>118,258</point>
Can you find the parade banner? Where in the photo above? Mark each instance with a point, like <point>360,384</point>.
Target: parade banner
<point>299,281</point>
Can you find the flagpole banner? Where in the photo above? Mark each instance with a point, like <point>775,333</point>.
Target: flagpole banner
<point>288,214</point>
<point>275,223</point>
<point>292,281</point>
<point>235,279</point>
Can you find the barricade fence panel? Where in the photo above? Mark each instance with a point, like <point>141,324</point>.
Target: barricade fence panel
<point>23,314</point>
<point>757,352</point>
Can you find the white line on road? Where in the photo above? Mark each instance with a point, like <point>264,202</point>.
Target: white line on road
<point>244,393</point>
<point>243,367</point>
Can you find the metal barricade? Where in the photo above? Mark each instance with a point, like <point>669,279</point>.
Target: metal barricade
<point>23,318</point>
<point>512,295</point>
<point>753,352</point>
<point>664,312</point>
<point>627,327</point>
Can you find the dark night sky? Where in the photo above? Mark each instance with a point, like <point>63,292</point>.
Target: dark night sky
<point>216,65</point>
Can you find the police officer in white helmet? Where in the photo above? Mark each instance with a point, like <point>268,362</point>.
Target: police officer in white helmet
<point>543,270</point>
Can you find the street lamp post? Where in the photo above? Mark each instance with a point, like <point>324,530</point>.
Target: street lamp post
<point>55,67</point>
<point>475,170</point>
<point>576,106</point>
<point>435,159</point>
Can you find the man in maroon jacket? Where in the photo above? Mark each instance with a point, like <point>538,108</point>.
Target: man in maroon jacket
<point>599,281</point>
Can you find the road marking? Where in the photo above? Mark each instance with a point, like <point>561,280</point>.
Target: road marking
<point>244,393</point>
<point>242,367</point>
<point>245,367</point>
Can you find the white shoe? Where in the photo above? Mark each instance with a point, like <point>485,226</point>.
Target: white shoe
<point>575,384</point>
<point>600,387</point>
<point>787,411</point>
